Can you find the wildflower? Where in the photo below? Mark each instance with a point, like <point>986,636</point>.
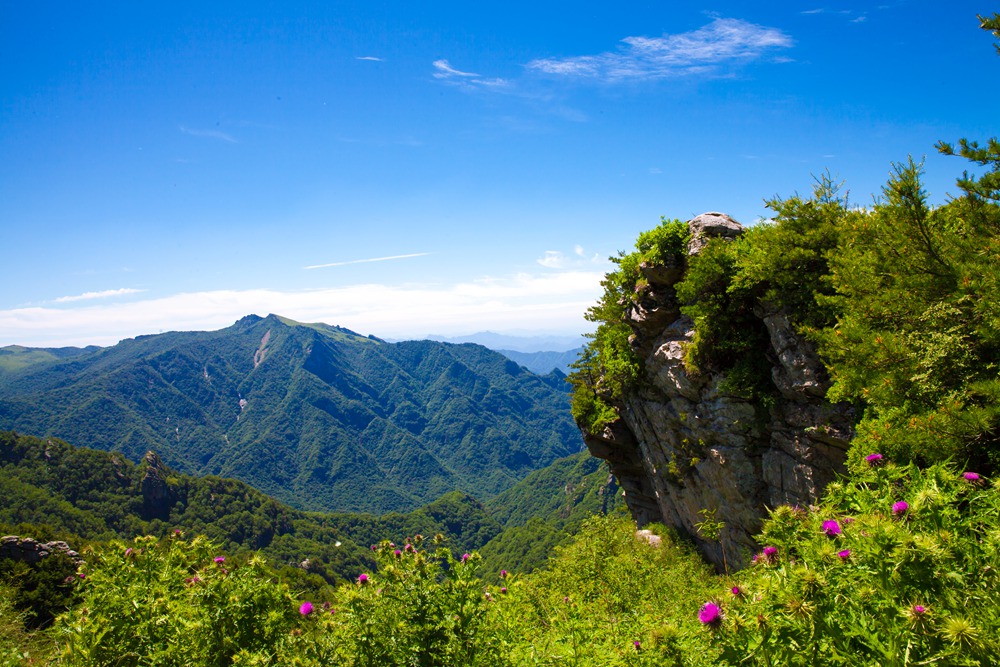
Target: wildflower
<point>971,476</point>
<point>219,559</point>
<point>82,575</point>
<point>503,574</point>
<point>374,547</point>
<point>770,554</point>
<point>710,614</point>
<point>845,554</point>
<point>362,579</point>
<point>736,591</point>
<point>465,557</point>
<point>900,507</point>
<point>503,590</point>
<point>489,598</point>
<point>128,552</point>
<point>831,528</point>
<point>566,600</point>
<point>409,548</point>
<point>306,608</point>
<point>637,645</point>
<point>874,459</point>
<point>397,553</point>
<point>919,609</point>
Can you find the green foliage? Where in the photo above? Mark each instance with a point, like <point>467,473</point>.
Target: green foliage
<point>545,510</point>
<point>885,584</point>
<point>176,602</point>
<point>780,266</point>
<point>41,590</point>
<point>917,337</point>
<point>609,598</point>
<point>608,364</point>
<point>421,608</point>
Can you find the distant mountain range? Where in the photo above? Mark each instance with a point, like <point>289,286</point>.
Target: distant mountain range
<point>314,415</point>
<point>527,343</point>
<point>543,363</point>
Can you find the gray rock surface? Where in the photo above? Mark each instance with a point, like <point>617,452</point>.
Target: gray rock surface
<point>683,446</point>
<point>29,550</point>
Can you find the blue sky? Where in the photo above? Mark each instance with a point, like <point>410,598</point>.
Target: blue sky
<point>405,169</point>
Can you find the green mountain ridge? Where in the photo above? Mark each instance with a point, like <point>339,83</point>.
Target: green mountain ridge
<point>314,415</point>
<point>50,489</point>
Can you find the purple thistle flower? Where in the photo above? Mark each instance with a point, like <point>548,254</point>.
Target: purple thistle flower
<point>770,554</point>
<point>82,575</point>
<point>219,559</point>
<point>874,459</point>
<point>397,553</point>
<point>465,557</point>
<point>900,507</point>
<point>128,552</point>
<point>637,645</point>
<point>831,528</point>
<point>306,608</point>
<point>504,590</point>
<point>845,554</point>
<point>710,614</point>
<point>362,579</point>
<point>971,476</point>
<point>735,590</point>
<point>503,574</point>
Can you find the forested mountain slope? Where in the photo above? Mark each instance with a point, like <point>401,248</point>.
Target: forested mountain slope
<point>314,415</point>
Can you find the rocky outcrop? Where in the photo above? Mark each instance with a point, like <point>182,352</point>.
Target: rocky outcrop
<point>157,496</point>
<point>683,446</point>
<point>31,551</point>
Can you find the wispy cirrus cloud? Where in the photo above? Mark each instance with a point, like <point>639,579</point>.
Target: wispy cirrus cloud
<point>371,58</point>
<point>365,261</point>
<point>209,134</point>
<point>702,51</point>
<point>445,72</point>
<point>105,294</point>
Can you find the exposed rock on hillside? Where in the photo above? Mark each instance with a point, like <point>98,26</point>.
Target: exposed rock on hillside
<point>28,550</point>
<point>683,445</point>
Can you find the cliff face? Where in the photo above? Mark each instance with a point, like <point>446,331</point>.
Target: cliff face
<point>682,445</point>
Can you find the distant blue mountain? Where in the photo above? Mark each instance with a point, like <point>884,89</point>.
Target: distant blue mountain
<point>544,363</point>
<point>530,343</point>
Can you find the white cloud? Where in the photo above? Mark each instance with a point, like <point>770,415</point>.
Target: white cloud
<point>700,51</point>
<point>365,261</point>
<point>551,301</point>
<point>445,70</point>
<point>469,80</point>
<point>86,296</point>
<point>372,58</point>
<point>578,251</point>
<point>553,259</point>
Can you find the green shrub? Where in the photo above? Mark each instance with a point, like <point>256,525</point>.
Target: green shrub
<point>608,365</point>
<point>175,602</point>
<point>897,566</point>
